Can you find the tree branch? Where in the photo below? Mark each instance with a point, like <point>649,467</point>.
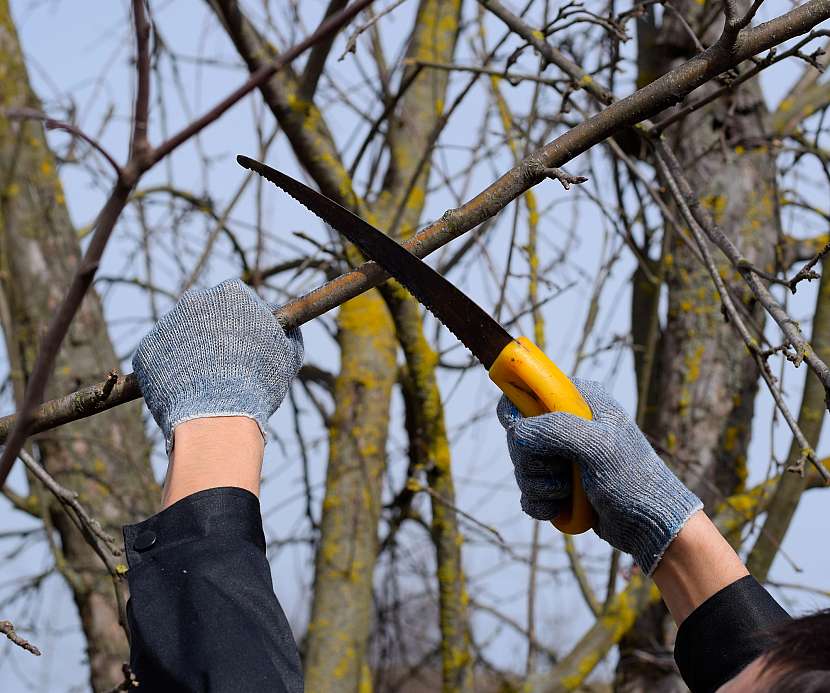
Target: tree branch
<point>645,102</point>
<point>139,163</point>
<point>7,629</point>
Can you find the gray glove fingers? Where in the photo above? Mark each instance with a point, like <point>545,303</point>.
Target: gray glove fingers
<point>507,413</point>
<point>552,467</point>
<point>540,509</point>
<point>541,434</point>
<point>602,404</point>
<point>295,347</point>
<point>544,480</point>
<point>595,395</point>
<point>558,436</point>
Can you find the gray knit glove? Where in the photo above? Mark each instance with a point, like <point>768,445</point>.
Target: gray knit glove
<point>641,505</point>
<point>218,352</point>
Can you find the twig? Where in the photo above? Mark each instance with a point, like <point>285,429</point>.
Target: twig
<point>101,542</point>
<point>104,544</point>
<point>564,177</point>
<point>807,272</point>
<point>7,629</point>
<point>678,186</point>
<point>52,124</point>
<point>351,44</point>
<point>705,222</point>
<point>513,78</point>
<point>734,22</point>
<point>141,160</point>
<point>645,102</point>
<point>581,576</point>
<point>414,485</point>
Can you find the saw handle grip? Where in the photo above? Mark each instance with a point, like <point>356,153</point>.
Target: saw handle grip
<point>536,386</point>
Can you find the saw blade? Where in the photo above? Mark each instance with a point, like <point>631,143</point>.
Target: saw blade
<point>468,321</point>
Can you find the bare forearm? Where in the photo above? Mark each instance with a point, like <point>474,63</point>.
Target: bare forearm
<point>698,564</point>
<point>214,452</point>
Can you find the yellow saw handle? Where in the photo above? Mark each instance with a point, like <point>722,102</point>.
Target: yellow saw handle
<point>536,386</point>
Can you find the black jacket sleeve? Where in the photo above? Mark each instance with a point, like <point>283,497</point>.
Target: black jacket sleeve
<point>202,612</point>
<point>724,634</point>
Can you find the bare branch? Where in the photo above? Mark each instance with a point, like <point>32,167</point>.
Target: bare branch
<point>52,124</point>
<point>141,113</point>
<point>107,218</point>
<point>807,272</point>
<point>642,104</point>
<point>685,199</point>
<point>7,629</point>
<point>351,44</point>
<point>565,178</point>
<point>788,326</point>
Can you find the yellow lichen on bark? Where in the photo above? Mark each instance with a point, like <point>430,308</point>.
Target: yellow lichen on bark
<point>342,606</point>
<point>39,252</point>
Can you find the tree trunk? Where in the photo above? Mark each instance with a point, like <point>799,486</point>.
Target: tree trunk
<point>707,381</point>
<point>342,605</point>
<point>105,459</point>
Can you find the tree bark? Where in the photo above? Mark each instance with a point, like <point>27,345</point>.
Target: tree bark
<point>341,614</point>
<point>703,391</point>
<point>105,459</point>
<point>342,606</point>
<point>788,492</point>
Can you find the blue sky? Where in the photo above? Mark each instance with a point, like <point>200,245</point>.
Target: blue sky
<point>83,51</point>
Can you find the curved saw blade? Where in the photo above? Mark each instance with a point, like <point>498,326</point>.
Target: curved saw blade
<point>479,332</point>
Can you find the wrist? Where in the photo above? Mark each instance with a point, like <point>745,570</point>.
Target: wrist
<point>221,398</point>
<point>211,452</point>
<point>651,518</point>
<point>696,565</point>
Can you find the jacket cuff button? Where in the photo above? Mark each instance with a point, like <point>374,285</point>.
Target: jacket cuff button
<point>144,540</point>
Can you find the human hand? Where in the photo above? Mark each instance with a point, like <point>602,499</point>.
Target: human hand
<point>218,352</point>
<point>640,504</point>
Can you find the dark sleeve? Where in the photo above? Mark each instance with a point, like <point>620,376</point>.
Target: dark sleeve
<point>724,634</point>
<point>202,612</point>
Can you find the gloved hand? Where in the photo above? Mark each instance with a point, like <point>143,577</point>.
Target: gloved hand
<point>641,505</point>
<point>218,352</point>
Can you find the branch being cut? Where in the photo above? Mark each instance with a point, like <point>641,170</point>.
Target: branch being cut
<point>142,158</point>
<point>642,104</point>
<point>698,217</point>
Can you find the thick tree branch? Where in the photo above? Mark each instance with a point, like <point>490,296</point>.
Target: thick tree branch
<point>645,102</point>
<point>140,161</point>
<point>141,112</point>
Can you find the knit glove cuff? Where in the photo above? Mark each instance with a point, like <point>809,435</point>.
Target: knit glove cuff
<point>219,352</point>
<point>641,505</point>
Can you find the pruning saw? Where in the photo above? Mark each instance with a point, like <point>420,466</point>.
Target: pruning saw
<point>520,369</point>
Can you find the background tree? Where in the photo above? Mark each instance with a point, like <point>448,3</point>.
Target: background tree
<point>704,207</point>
